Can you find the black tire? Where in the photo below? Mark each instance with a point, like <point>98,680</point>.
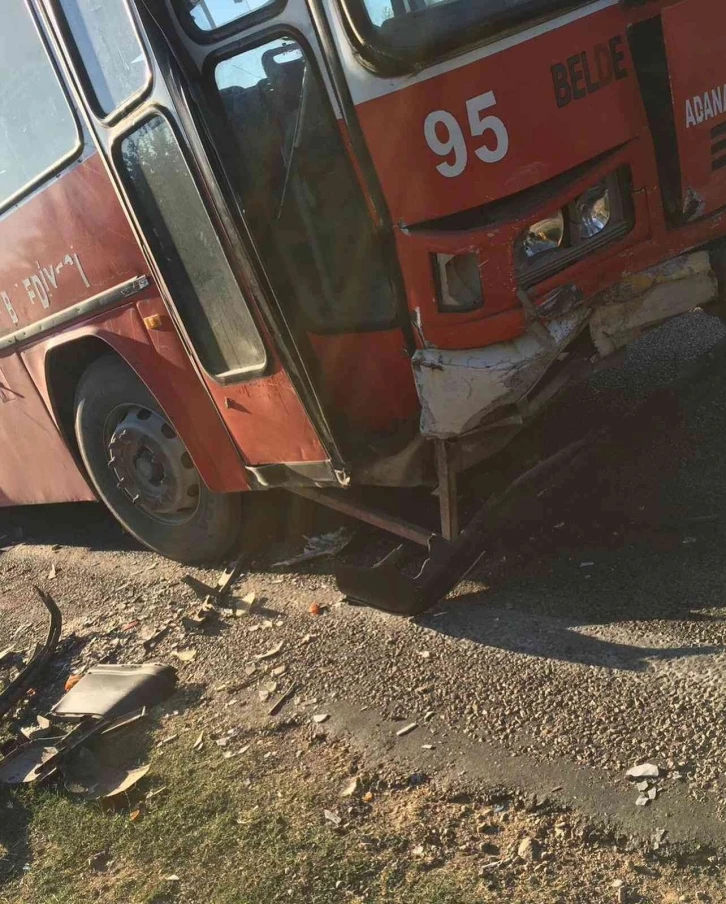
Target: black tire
<point>209,530</point>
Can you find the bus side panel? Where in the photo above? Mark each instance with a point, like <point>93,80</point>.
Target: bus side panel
<point>161,362</point>
<point>367,378</point>
<point>35,464</point>
<point>64,244</point>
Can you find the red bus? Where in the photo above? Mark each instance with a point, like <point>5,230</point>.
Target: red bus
<point>316,244</point>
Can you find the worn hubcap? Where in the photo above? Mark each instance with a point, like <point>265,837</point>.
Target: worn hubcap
<point>152,466</point>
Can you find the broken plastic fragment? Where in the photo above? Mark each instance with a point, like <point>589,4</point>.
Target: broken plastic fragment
<point>323,545</point>
<point>272,652</point>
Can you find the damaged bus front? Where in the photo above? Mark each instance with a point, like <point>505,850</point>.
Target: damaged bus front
<point>336,242</point>
<point>560,187</point>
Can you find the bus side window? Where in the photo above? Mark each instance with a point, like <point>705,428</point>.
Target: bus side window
<point>209,15</point>
<point>300,197</point>
<point>37,129</point>
<point>112,55</point>
<point>185,243</point>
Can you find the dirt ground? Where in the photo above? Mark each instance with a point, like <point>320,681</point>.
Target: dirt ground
<point>591,638</point>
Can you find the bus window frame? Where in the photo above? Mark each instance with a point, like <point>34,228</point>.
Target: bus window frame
<point>227,150</point>
<point>215,35</point>
<point>362,35</point>
<point>71,47</point>
<point>76,151</point>
<point>146,114</point>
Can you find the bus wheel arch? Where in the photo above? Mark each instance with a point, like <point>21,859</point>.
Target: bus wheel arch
<point>89,383</point>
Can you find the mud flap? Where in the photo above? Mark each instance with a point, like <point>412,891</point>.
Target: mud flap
<point>386,588</point>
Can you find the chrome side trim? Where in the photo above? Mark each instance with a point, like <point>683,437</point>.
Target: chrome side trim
<point>289,475</point>
<point>96,303</point>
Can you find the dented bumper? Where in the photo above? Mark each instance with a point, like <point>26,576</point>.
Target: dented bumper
<point>460,389</point>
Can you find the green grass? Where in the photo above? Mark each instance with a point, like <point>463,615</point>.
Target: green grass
<point>251,830</point>
<point>229,843</point>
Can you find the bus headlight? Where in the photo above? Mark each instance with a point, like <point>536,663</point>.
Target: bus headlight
<point>599,215</point>
<point>593,211</point>
<point>545,235</point>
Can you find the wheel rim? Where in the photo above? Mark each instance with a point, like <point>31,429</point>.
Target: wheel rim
<point>151,464</point>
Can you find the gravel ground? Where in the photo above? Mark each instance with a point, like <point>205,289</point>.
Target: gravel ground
<point>591,637</point>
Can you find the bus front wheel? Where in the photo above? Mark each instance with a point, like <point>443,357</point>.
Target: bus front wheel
<point>142,471</point>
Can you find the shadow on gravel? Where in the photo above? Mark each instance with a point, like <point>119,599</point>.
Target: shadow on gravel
<point>550,638</point>
<point>80,524</point>
<point>635,537</point>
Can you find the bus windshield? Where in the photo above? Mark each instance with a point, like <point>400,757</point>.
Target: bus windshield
<point>412,31</point>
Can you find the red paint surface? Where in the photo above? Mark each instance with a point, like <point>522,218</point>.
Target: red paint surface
<point>695,31</point>
<point>77,213</point>
<point>368,377</point>
<point>502,317</point>
<point>36,465</point>
<point>544,140</point>
<point>160,360</point>
<point>268,420</point>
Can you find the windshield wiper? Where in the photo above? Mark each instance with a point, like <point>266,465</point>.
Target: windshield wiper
<point>296,137</point>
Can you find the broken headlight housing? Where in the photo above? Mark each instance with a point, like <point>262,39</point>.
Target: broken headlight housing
<point>458,282</point>
<point>596,217</point>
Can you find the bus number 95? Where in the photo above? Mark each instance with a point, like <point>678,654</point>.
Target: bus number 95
<point>445,136</point>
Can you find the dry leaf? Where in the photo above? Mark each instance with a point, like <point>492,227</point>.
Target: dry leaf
<point>72,682</point>
<point>350,788</point>
<point>185,655</point>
